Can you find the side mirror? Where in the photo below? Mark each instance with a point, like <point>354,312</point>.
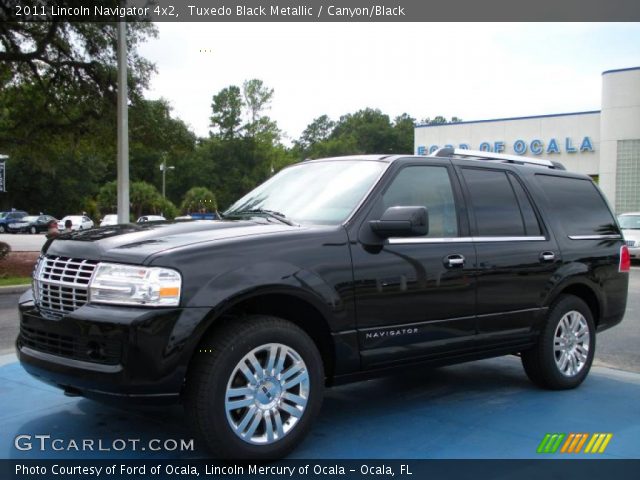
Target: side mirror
<point>402,222</point>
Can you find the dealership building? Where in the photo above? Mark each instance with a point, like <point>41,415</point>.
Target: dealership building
<point>604,144</point>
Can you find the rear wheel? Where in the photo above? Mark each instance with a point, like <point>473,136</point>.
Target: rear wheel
<point>564,353</point>
<point>254,388</point>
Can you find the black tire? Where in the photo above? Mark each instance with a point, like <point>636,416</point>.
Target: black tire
<point>540,362</point>
<point>216,359</point>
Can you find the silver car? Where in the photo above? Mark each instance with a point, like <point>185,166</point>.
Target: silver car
<point>630,224</point>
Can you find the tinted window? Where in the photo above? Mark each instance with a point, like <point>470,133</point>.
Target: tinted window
<point>494,203</point>
<point>578,205</point>
<point>428,186</point>
<point>531,224</point>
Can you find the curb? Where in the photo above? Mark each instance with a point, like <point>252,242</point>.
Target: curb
<point>11,289</point>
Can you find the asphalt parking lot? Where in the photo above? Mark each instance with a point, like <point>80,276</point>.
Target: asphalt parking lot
<point>24,243</point>
<point>485,409</point>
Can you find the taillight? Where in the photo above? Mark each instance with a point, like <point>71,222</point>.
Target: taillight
<point>625,259</point>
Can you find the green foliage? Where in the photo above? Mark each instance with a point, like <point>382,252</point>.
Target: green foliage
<point>227,112</point>
<point>57,109</point>
<point>257,98</point>
<point>166,208</point>
<point>65,74</point>
<point>4,250</point>
<point>439,120</point>
<point>317,131</point>
<point>198,199</point>
<point>365,131</point>
<point>144,198</point>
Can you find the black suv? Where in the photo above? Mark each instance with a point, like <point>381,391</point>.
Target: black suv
<point>331,271</point>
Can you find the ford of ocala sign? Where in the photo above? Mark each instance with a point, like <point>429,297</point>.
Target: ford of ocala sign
<point>522,147</point>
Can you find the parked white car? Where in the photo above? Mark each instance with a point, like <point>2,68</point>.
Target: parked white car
<point>110,219</point>
<point>78,222</point>
<point>151,218</point>
<point>630,225</point>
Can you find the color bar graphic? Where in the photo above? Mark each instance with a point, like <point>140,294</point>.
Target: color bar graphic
<point>574,442</point>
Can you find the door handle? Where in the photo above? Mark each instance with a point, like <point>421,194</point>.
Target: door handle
<point>547,256</point>
<point>452,261</point>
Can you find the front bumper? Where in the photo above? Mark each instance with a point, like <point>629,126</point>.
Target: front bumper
<point>634,252</point>
<point>110,353</point>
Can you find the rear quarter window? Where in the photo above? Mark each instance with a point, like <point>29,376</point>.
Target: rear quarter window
<point>578,205</point>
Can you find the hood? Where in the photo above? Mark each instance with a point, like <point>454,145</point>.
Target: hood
<point>133,243</point>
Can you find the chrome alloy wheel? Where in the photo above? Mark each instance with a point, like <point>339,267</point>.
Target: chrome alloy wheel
<point>571,343</point>
<point>267,394</point>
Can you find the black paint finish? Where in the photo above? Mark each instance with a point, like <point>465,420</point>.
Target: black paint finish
<point>371,303</point>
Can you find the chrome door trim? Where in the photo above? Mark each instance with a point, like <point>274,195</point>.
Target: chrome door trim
<point>419,240</point>
<point>595,237</point>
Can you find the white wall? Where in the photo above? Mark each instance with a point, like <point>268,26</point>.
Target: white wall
<point>620,120</point>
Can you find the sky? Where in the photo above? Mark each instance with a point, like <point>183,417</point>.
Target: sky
<point>469,70</point>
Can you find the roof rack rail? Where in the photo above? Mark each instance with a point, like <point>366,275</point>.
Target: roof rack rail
<point>496,157</point>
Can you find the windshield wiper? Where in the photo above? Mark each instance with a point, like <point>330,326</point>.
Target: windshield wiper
<point>263,211</point>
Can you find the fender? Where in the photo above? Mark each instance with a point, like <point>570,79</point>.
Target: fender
<point>228,289</point>
<point>267,276</point>
<point>571,274</point>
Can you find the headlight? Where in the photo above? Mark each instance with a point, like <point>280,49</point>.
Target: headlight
<point>133,285</point>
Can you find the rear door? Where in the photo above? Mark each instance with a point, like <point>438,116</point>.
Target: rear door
<point>517,256</point>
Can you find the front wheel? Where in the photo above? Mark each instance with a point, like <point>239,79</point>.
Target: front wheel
<point>254,388</point>
<point>33,230</point>
<point>564,353</point>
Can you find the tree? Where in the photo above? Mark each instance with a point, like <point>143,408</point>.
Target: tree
<point>404,126</point>
<point>198,198</point>
<point>439,120</point>
<point>156,136</point>
<point>144,197</point>
<point>227,112</point>
<point>57,108</point>
<point>257,98</point>
<point>65,72</point>
<point>317,131</point>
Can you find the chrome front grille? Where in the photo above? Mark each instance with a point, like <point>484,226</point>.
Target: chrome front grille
<point>61,284</point>
<point>630,243</point>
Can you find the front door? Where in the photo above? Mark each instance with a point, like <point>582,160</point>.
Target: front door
<point>415,297</point>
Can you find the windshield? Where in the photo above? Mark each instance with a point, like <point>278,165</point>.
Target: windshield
<point>629,222</point>
<point>316,192</point>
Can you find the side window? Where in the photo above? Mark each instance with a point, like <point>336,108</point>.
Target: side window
<point>429,186</point>
<point>531,224</point>
<point>494,203</point>
<point>583,210</point>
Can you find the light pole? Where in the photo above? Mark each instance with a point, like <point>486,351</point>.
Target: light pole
<point>123,128</point>
<point>163,168</point>
<point>3,173</point>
